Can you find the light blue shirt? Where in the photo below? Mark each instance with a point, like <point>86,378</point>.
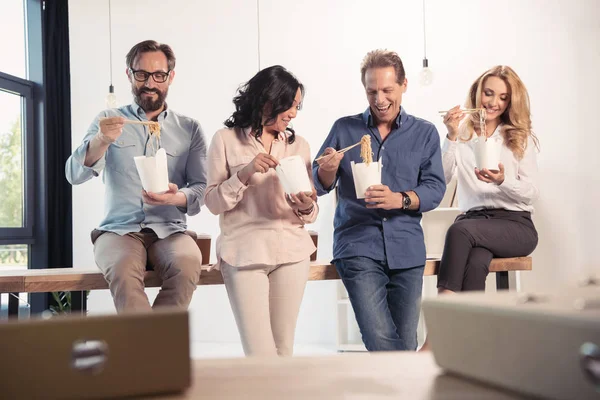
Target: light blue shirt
<point>185,145</point>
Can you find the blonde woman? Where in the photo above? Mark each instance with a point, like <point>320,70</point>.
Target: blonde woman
<point>263,250</point>
<point>496,203</point>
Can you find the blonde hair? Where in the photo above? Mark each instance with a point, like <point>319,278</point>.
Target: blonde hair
<point>516,119</point>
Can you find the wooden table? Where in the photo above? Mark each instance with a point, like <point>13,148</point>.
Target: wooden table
<point>79,280</point>
<point>401,375</point>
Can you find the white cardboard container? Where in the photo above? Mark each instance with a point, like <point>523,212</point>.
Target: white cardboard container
<point>293,175</point>
<point>153,172</point>
<point>365,175</point>
<point>487,152</point>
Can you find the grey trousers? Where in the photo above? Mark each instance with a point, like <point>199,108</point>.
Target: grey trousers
<point>478,236</point>
<point>123,260</point>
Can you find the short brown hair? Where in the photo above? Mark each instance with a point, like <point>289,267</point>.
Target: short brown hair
<point>149,46</point>
<point>382,59</point>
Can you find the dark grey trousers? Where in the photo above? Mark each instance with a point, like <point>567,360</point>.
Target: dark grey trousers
<point>478,236</point>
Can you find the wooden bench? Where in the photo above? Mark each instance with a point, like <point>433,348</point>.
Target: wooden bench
<point>78,280</point>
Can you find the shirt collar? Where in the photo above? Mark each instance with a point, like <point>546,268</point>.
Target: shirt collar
<point>497,130</point>
<point>368,118</point>
<point>248,132</point>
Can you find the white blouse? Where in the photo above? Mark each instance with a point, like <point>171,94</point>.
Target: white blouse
<point>519,190</point>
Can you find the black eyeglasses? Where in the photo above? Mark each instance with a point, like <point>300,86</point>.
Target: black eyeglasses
<point>142,76</point>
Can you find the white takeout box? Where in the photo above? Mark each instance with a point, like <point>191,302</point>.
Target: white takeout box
<point>487,152</point>
<point>365,175</point>
<point>153,172</point>
<point>293,175</point>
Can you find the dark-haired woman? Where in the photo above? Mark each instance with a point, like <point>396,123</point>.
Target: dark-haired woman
<point>263,250</point>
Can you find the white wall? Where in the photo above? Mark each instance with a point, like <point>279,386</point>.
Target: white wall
<point>552,46</point>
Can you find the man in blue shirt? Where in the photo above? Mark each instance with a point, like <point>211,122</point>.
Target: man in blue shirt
<point>378,248</point>
<point>141,228</point>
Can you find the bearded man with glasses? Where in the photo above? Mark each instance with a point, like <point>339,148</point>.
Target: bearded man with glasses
<point>141,229</point>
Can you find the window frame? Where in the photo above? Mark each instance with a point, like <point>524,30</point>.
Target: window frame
<point>35,147</point>
<point>25,89</point>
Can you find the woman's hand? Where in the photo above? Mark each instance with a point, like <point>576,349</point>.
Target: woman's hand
<point>452,120</point>
<point>491,176</point>
<point>261,163</point>
<point>301,202</point>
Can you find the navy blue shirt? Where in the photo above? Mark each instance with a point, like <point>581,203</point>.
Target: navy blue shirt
<point>411,159</point>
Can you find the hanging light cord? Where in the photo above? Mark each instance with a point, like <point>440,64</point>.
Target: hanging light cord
<point>110,40</point>
<point>258,30</point>
<point>424,35</point>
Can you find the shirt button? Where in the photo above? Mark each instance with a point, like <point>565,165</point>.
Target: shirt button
<point>382,147</point>
<point>120,142</point>
<point>143,225</point>
<point>385,219</point>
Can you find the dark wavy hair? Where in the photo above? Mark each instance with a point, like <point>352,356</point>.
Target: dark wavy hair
<point>273,90</point>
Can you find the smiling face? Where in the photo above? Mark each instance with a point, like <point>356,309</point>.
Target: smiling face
<point>495,97</point>
<point>150,94</point>
<point>384,93</point>
<point>284,118</point>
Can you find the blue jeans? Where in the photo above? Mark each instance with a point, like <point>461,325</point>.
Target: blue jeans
<point>386,302</point>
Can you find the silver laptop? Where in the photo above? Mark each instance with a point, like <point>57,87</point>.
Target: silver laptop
<point>96,356</point>
<point>541,344</point>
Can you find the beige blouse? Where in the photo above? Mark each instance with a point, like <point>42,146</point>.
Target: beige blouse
<point>257,224</point>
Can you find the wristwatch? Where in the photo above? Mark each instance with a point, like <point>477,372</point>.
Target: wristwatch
<point>405,201</point>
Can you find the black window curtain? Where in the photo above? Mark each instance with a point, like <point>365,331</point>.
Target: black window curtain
<point>58,132</point>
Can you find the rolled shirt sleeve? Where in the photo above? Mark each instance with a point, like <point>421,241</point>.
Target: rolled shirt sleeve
<point>432,184</point>
<point>75,170</point>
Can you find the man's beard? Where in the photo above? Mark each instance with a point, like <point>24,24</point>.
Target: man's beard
<point>147,103</point>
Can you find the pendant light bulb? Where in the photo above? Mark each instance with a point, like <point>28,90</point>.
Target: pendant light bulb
<point>426,75</point>
<point>111,98</point>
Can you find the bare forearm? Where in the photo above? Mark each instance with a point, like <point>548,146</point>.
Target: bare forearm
<point>96,149</point>
<point>327,178</point>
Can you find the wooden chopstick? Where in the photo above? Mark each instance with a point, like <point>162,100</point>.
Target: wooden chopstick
<point>467,110</point>
<point>130,121</point>
<point>345,149</point>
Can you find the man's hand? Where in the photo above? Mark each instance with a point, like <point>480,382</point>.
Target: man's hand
<point>330,161</point>
<point>380,196</point>
<point>172,197</point>
<point>491,176</point>
<point>328,166</point>
<point>110,128</point>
